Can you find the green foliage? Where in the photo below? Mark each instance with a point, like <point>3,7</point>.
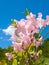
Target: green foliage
<point>5,50</point>
<point>45,48</point>
<point>42,61</point>
<point>9,49</point>
<point>2,53</point>
<point>31,48</point>
<point>31,62</point>
<point>3,62</point>
<point>21,62</point>
<point>19,54</point>
<point>26,12</point>
<point>40,52</point>
<point>14,23</point>
<point>9,62</point>
<point>36,35</point>
<point>14,62</point>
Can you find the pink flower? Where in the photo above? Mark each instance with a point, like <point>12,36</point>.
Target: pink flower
<point>38,43</point>
<point>17,46</point>
<point>31,27</point>
<point>40,22</point>
<point>40,15</point>
<point>20,29</point>
<point>14,38</point>
<point>26,40</point>
<point>41,39</point>
<point>9,55</point>
<point>30,16</point>
<point>22,23</point>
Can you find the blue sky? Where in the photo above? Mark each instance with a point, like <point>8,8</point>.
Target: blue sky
<point>12,9</point>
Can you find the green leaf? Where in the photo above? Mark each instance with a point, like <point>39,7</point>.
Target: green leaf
<point>36,35</point>
<point>3,62</point>
<point>42,61</point>
<point>9,62</point>
<point>40,52</point>
<point>31,62</point>
<point>25,55</point>
<point>27,12</point>
<point>14,62</point>
<point>22,62</point>
<point>45,48</point>
<point>20,54</point>
<point>14,23</point>
<point>31,48</point>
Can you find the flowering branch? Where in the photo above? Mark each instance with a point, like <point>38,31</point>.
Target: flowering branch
<point>26,38</point>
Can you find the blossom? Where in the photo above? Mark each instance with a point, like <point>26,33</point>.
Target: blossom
<point>31,27</point>
<point>38,43</point>
<point>14,38</point>
<point>39,15</point>
<point>20,29</point>
<point>41,39</point>
<point>22,22</point>
<point>9,55</point>
<point>30,16</point>
<point>23,34</point>
<point>40,22</point>
<point>17,46</point>
<point>26,40</point>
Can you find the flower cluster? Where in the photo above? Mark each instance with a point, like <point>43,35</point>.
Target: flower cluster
<point>25,33</point>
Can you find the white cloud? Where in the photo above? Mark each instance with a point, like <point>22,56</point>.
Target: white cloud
<point>10,30</point>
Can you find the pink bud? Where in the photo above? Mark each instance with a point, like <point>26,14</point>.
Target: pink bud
<point>37,44</point>
<point>9,55</point>
<point>41,39</point>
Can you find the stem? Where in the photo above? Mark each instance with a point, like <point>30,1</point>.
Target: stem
<point>41,31</point>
